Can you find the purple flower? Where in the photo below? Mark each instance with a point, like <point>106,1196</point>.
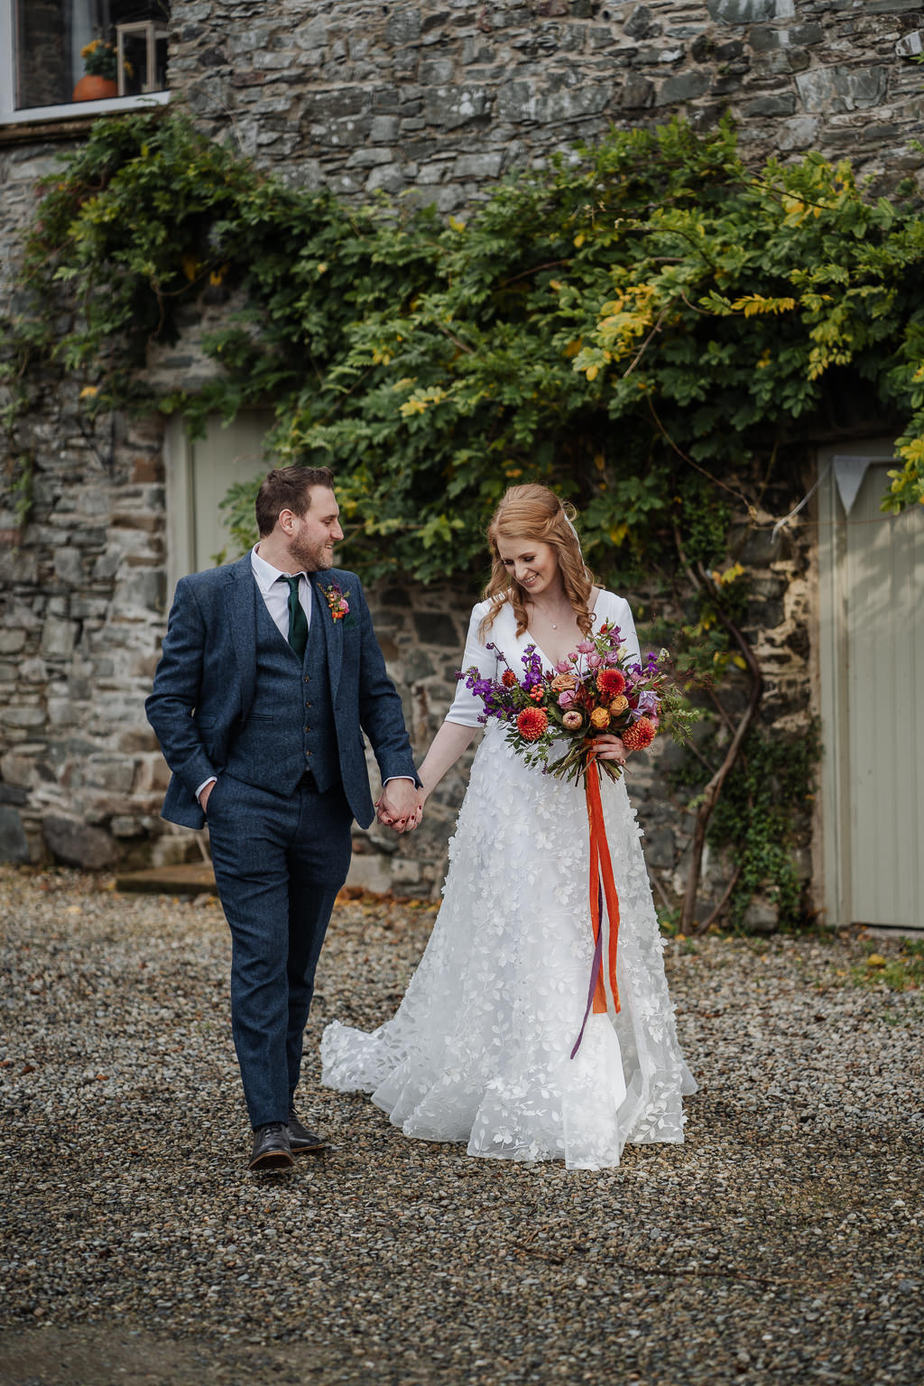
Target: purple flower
<point>647,702</point>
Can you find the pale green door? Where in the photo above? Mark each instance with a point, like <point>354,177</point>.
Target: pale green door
<point>871,571</point>
<point>199,474</point>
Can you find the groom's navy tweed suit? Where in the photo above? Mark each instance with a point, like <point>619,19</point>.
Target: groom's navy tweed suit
<point>284,736</point>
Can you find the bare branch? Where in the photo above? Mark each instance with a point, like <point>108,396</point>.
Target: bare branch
<point>700,578</point>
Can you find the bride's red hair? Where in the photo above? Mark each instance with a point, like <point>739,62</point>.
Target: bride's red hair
<point>536,514</point>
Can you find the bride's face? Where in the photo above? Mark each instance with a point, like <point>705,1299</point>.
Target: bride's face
<point>533,565</point>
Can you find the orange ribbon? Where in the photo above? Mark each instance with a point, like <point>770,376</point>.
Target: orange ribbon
<point>603,992</point>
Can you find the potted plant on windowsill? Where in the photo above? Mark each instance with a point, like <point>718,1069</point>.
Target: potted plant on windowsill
<point>101,72</point>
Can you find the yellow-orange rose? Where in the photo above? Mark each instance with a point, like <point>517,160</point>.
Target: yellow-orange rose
<point>619,705</point>
<point>600,718</point>
<point>563,681</point>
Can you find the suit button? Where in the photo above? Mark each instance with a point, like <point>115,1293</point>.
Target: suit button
<point>307,678</point>
<point>307,729</point>
<point>307,704</point>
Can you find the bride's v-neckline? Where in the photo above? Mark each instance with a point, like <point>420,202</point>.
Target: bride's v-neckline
<point>531,639</point>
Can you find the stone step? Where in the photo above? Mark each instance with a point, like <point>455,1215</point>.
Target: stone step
<point>198,878</point>
<point>193,878</point>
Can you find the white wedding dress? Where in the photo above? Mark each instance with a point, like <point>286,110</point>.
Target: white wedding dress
<point>479,1049</point>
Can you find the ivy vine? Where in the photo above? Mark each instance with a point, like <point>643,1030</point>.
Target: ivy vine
<point>646,324</point>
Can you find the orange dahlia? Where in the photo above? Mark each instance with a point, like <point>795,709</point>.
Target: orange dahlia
<point>508,678</point>
<point>639,735</point>
<point>531,723</point>
<point>610,682</point>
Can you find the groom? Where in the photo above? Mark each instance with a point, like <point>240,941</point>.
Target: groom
<point>270,674</point>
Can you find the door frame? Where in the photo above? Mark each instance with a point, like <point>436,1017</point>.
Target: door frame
<point>180,489</point>
<point>833,682</point>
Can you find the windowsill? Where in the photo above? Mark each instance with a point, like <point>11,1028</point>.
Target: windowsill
<point>49,122</point>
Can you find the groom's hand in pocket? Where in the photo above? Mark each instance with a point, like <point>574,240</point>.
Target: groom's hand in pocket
<point>399,806</point>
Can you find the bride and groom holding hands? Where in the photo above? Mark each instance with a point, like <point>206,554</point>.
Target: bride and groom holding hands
<point>270,678</point>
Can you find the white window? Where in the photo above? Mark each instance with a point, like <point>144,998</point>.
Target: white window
<point>81,57</point>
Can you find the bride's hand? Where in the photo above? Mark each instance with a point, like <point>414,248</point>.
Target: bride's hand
<point>611,747</point>
<point>398,808</point>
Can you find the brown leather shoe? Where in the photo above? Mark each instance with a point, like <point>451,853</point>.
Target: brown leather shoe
<point>302,1141</point>
<point>271,1148</point>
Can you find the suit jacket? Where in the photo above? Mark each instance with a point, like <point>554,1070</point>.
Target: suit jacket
<point>205,681</point>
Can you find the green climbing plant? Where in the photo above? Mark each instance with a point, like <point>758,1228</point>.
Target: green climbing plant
<point>647,324</point>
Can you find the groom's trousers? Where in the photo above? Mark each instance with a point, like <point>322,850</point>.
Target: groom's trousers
<point>279,862</point>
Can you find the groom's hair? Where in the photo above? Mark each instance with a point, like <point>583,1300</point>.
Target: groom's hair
<point>288,488</point>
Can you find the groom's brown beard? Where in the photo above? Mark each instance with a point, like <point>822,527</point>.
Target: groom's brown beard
<point>311,557</point>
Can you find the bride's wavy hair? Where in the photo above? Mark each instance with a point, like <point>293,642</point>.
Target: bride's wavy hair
<point>535,513</point>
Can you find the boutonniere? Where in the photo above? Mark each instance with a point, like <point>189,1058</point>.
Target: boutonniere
<point>336,599</point>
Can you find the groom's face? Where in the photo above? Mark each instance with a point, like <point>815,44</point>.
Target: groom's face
<point>317,531</point>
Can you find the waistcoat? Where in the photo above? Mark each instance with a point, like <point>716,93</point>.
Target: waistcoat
<point>290,725</point>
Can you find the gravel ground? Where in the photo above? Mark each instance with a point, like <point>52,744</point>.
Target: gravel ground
<point>781,1243</point>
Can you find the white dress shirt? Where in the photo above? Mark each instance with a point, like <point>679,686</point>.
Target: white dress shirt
<point>275,591</point>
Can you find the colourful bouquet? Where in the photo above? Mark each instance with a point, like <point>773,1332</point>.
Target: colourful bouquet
<point>597,689</point>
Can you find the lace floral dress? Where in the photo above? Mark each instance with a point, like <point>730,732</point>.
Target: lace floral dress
<point>479,1049</point>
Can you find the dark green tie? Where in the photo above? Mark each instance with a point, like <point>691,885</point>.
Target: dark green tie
<point>298,621</point>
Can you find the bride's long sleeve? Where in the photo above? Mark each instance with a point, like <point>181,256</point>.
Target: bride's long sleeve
<point>466,707</point>
<point>461,721</point>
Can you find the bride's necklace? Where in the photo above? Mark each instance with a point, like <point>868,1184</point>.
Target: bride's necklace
<point>543,617</point>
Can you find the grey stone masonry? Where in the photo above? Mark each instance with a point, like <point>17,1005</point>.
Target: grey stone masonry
<point>436,98</point>
<point>81,614</point>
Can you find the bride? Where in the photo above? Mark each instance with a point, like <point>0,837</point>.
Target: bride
<point>479,1049</point>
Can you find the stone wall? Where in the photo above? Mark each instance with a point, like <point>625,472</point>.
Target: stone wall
<point>442,97</point>
<point>438,99</point>
<point>82,612</point>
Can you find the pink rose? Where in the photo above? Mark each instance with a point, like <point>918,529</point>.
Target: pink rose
<point>572,720</point>
<point>562,667</point>
<point>566,699</point>
<point>594,661</point>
